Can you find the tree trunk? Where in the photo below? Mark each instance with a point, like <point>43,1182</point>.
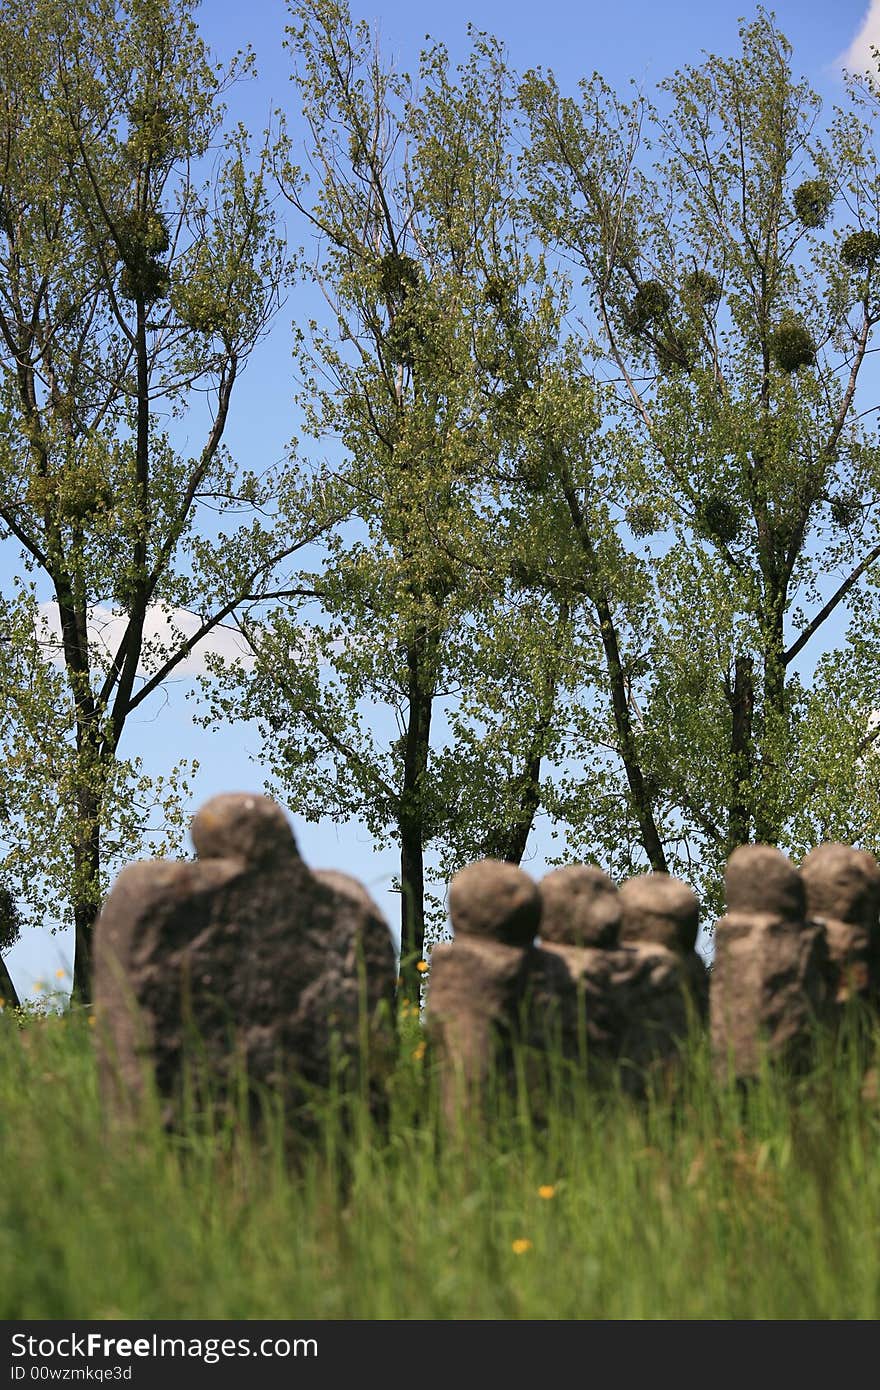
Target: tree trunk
<point>640,796</point>
<point>86,890</point>
<point>87,847</point>
<point>412,902</point>
<point>742,699</point>
<point>513,843</point>
<point>8,991</point>
<point>768,800</point>
<point>411,824</point>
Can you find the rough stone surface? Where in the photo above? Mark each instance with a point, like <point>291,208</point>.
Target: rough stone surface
<point>760,879</point>
<point>472,1012</point>
<point>235,825</point>
<point>265,963</point>
<point>665,993</point>
<point>603,1006</point>
<point>770,982</point>
<point>581,907</point>
<point>348,886</point>
<point>659,910</point>
<point>631,1007</point>
<point>575,1002</point>
<point>495,900</point>
<point>843,890</point>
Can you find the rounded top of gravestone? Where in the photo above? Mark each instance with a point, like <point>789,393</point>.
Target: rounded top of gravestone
<point>761,879</point>
<point>581,907</point>
<point>243,825</point>
<point>348,887</point>
<point>842,883</point>
<point>497,900</point>
<point>660,910</point>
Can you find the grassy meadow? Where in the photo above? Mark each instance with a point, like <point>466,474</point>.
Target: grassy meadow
<point>701,1202</point>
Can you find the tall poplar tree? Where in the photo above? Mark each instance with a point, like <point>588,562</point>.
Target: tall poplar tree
<point>138,269</point>
<point>729,249</point>
<point>415,372</point>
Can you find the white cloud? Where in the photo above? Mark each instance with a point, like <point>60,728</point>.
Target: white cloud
<point>858,57</point>
<point>164,631</point>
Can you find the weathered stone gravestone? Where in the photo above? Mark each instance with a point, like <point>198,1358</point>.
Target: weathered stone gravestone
<point>584,993</point>
<point>771,979</point>
<point>635,984</point>
<point>668,990</point>
<point>581,907</point>
<point>574,1002</point>
<point>842,888</point>
<point>478,981</point>
<point>243,960</point>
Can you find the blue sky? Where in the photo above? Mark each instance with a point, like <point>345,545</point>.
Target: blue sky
<point>638,40</point>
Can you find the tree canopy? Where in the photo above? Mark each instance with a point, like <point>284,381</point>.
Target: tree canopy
<point>139,266</point>
<point>584,439</point>
<point>727,246</point>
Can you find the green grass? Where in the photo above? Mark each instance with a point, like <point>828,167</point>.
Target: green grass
<point>702,1204</point>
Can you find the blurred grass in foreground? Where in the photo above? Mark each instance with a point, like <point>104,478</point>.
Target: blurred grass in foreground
<point>705,1202</point>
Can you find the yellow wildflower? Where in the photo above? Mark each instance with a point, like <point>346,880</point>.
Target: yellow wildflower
<point>419,1052</point>
<point>547,1191</point>
<point>519,1247</point>
<point>422,966</point>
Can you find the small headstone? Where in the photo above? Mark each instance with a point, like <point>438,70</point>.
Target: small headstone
<point>477,983</point>
<point>628,1010</point>
<point>760,879</point>
<point>660,910</point>
<point>496,900</point>
<point>769,981</point>
<point>843,890</point>
<point>472,1011</point>
<point>581,907</point>
<point>624,1006</point>
<point>243,959</point>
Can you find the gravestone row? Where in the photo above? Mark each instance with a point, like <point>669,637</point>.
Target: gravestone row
<point>257,965</point>
<point>614,981</point>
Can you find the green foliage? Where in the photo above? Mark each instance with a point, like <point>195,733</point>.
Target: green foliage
<point>427,373</point>
<point>492,631</point>
<point>398,276</point>
<point>674,352</point>
<point>766,476</point>
<point>718,518</point>
<point>142,238</point>
<point>860,250</point>
<point>791,344</point>
<point>127,282</point>
<point>10,919</point>
<point>812,202</point>
<point>846,510</point>
<point>701,288</point>
<point>650,302</point>
<point>497,291</point>
<point>642,519</point>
